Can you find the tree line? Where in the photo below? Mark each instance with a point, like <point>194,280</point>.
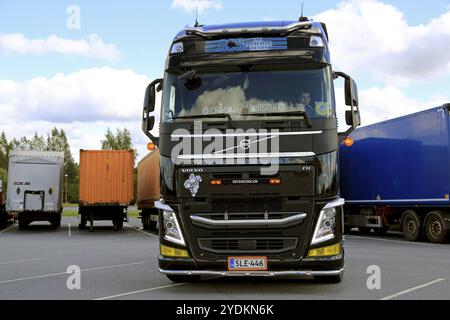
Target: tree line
<point>56,140</point>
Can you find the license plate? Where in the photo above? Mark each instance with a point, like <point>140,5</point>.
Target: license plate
<point>247,264</point>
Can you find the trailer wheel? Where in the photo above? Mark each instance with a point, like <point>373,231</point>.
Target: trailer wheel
<point>181,279</point>
<point>119,223</point>
<point>83,223</point>
<point>152,225</point>
<point>23,224</point>
<point>435,227</point>
<point>411,225</point>
<point>91,227</point>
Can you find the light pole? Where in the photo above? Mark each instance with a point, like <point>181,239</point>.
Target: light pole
<point>66,187</point>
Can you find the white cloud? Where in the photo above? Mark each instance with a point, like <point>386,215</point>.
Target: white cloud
<point>202,5</point>
<point>88,95</point>
<point>368,36</point>
<point>83,103</point>
<point>92,46</point>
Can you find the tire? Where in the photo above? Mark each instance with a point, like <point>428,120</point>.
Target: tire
<point>411,226</point>
<point>144,222</point>
<point>152,225</point>
<point>381,231</point>
<point>115,225</point>
<point>182,279</point>
<point>23,225</point>
<point>435,227</point>
<point>119,223</point>
<point>82,224</point>
<point>329,279</point>
<point>56,222</point>
<point>364,230</point>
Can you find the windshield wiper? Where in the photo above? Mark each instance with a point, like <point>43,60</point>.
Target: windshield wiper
<point>203,116</point>
<point>287,114</point>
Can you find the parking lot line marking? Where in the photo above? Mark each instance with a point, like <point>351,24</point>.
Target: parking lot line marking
<point>6,230</point>
<point>70,232</point>
<point>147,233</point>
<point>388,240</point>
<point>83,270</point>
<point>21,261</point>
<point>140,291</point>
<point>412,289</point>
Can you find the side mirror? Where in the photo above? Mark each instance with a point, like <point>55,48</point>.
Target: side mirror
<point>352,116</point>
<point>351,93</point>
<point>150,95</point>
<point>349,118</point>
<point>148,122</point>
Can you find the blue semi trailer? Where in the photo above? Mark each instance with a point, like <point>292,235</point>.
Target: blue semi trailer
<point>398,172</point>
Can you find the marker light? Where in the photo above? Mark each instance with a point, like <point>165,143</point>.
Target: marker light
<point>151,146</point>
<point>316,42</point>
<point>177,48</point>
<point>348,142</point>
<point>275,181</point>
<point>216,182</point>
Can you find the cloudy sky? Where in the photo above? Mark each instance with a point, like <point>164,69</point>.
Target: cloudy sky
<point>87,74</point>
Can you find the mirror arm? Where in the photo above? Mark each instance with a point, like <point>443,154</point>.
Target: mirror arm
<point>343,135</point>
<point>153,139</point>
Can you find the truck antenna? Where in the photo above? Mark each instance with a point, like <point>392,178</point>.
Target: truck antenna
<point>196,25</point>
<point>302,18</point>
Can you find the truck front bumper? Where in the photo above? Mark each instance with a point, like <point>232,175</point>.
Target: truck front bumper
<point>298,273</point>
<point>308,267</point>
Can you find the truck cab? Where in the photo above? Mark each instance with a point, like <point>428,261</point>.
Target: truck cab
<point>249,152</point>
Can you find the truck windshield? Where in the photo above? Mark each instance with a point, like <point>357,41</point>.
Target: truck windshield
<point>240,94</point>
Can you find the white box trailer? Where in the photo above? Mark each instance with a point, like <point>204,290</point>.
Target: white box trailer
<point>35,186</point>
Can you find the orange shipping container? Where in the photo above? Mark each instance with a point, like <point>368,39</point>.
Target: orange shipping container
<point>106,177</point>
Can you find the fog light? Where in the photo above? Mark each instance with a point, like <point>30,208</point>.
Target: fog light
<point>173,252</point>
<point>329,251</point>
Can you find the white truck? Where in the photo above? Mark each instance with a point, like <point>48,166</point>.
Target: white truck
<point>35,187</point>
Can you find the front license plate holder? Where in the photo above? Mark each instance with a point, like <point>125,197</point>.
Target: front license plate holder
<point>247,264</point>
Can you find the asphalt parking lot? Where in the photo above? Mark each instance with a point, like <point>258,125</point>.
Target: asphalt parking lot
<point>123,265</point>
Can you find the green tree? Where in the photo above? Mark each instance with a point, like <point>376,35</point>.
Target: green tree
<point>5,148</point>
<point>57,141</point>
<point>119,141</point>
<point>36,143</point>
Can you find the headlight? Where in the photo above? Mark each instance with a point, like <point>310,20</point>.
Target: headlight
<point>326,225</point>
<point>316,41</point>
<point>172,231</point>
<point>177,48</point>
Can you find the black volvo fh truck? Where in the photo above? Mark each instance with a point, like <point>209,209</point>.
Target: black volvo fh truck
<point>249,152</point>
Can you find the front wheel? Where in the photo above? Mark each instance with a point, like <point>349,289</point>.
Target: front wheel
<point>435,227</point>
<point>182,279</point>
